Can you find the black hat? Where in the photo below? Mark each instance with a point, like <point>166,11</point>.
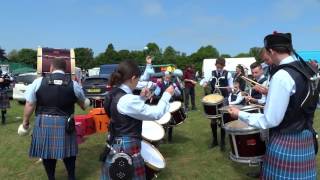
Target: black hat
<point>278,40</point>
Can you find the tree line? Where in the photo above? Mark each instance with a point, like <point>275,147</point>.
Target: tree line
<point>85,58</point>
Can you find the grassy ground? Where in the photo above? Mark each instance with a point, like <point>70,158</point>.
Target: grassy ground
<point>188,157</point>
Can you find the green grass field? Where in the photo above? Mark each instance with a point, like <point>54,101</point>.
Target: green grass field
<point>188,157</point>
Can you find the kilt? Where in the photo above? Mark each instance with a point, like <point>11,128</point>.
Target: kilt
<point>130,146</point>
<point>4,99</point>
<point>290,156</point>
<point>50,140</point>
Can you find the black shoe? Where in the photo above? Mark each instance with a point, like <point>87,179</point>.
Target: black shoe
<point>255,175</point>
<point>3,121</point>
<point>194,108</point>
<point>213,144</point>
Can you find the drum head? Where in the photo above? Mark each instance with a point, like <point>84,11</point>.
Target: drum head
<point>212,99</point>
<point>224,109</point>
<point>174,106</point>
<point>152,157</point>
<point>237,126</point>
<point>165,119</point>
<point>152,131</point>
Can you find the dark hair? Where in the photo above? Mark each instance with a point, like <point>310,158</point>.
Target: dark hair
<point>241,69</point>
<point>59,63</point>
<point>281,50</point>
<point>254,65</point>
<point>126,70</point>
<point>221,61</point>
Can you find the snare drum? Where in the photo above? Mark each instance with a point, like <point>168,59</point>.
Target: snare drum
<point>152,131</point>
<point>154,161</point>
<point>165,119</point>
<point>246,143</point>
<point>211,104</point>
<point>177,112</point>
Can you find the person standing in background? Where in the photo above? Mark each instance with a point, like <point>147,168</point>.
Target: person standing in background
<point>189,84</point>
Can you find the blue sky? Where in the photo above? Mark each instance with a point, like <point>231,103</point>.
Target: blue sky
<point>230,26</point>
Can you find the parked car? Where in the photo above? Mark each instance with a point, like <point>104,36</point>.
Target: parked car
<point>107,69</point>
<point>95,86</point>
<point>21,83</point>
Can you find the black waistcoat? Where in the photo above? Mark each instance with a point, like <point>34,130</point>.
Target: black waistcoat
<point>121,124</point>
<point>223,81</point>
<point>300,111</point>
<point>54,99</point>
<point>255,94</point>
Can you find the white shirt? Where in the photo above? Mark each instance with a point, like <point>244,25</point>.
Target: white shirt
<point>147,73</point>
<point>177,91</point>
<point>281,87</point>
<point>135,106</point>
<point>237,101</point>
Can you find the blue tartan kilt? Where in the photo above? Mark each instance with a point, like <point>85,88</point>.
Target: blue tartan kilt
<point>50,140</point>
<point>290,156</point>
<point>131,146</point>
<point>4,100</point>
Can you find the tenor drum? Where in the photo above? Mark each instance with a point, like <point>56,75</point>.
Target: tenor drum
<point>154,161</point>
<point>177,112</point>
<point>211,104</point>
<point>165,119</point>
<point>152,131</point>
<point>246,143</point>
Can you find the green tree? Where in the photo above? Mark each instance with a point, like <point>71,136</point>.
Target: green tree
<point>242,55</point>
<point>28,56</point>
<point>255,52</point>
<point>3,54</point>
<point>169,55</point>
<point>84,57</point>
<point>203,53</point>
<point>111,55</point>
<point>225,56</point>
<point>13,55</point>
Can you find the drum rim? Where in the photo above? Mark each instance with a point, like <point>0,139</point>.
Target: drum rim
<point>169,115</point>
<point>206,102</point>
<point>246,160</point>
<point>176,109</point>
<point>247,130</point>
<point>158,152</point>
<point>158,125</point>
<point>210,103</point>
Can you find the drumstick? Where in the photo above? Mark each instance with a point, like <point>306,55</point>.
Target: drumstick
<point>251,82</point>
<point>257,105</point>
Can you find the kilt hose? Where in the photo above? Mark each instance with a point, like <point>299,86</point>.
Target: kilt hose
<point>131,146</point>
<point>50,140</point>
<point>290,156</point>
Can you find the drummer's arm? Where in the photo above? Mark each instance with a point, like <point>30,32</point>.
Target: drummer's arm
<point>281,88</point>
<point>134,106</point>
<point>80,95</point>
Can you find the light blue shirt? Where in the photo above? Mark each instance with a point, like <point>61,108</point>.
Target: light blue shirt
<point>281,87</point>
<point>32,89</point>
<point>147,73</point>
<point>135,106</point>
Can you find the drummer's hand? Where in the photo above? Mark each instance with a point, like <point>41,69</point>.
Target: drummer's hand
<point>247,98</point>
<point>170,90</point>
<point>260,89</point>
<point>145,92</point>
<point>234,112</point>
<point>193,82</point>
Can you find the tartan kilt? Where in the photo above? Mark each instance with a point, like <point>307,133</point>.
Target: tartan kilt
<point>4,100</point>
<point>50,140</point>
<point>130,146</point>
<point>290,156</point>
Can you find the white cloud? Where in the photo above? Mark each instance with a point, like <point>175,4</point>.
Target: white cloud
<point>152,8</point>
